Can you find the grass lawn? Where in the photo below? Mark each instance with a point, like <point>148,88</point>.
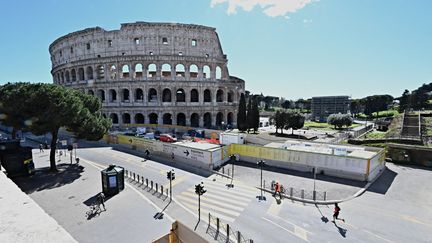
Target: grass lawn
<point>386,113</point>
<point>325,126</point>
<point>375,135</point>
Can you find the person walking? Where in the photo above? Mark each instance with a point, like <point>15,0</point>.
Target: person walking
<point>41,150</point>
<point>336,213</point>
<point>101,200</point>
<point>172,156</point>
<point>277,190</point>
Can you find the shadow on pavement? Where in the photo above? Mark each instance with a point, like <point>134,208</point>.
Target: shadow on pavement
<point>383,183</point>
<point>341,230</point>
<point>44,179</point>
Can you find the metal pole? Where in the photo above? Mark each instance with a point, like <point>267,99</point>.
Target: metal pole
<point>170,187</point>
<point>314,177</point>
<point>261,183</point>
<point>199,206</point>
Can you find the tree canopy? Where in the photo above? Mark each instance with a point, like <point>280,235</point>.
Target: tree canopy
<point>288,119</point>
<point>340,120</point>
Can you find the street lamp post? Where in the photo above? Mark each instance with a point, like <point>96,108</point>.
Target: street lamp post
<point>171,177</point>
<point>232,158</point>
<point>314,174</point>
<point>261,163</point>
<point>199,189</point>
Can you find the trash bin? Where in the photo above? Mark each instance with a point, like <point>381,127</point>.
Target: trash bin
<point>112,180</point>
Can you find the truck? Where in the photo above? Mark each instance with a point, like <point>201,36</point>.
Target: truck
<point>227,138</point>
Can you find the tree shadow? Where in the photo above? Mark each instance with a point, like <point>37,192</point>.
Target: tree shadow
<point>44,179</point>
<point>383,183</point>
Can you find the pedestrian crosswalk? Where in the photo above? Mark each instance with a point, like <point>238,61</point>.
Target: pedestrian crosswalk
<point>221,201</point>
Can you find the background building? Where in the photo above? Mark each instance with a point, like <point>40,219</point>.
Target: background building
<point>323,106</point>
<point>151,73</point>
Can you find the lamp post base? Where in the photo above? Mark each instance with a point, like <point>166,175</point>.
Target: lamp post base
<point>261,198</point>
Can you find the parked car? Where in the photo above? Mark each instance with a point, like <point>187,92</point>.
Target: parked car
<point>167,138</point>
<point>157,135</point>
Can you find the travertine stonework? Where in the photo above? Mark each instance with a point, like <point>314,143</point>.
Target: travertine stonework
<point>162,73</point>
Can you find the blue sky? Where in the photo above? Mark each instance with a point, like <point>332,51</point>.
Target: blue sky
<point>279,47</point>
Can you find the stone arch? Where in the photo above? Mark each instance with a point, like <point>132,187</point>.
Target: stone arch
<point>126,118</point>
<point>230,118</point>
<point>125,71</point>
<point>219,119</point>
<point>152,95</point>
<point>207,120</point>
<point>166,95</point>
<point>194,120</point>
<point>101,94</point>
<point>139,118</point>
<point>62,77</point>
<point>180,70</point>
<point>138,70</point>
<point>218,73</point>
<point>167,119</point>
<point>230,96</point>
<point>181,119</point>
<point>206,72</point>
<point>219,96</point>
<point>81,74</point>
<point>113,72</point>
<point>73,74</point>
<point>139,94</point>
<point>166,70</point>
<point>193,71</point>
<point>207,95</point>
<point>153,118</point>
<point>151,70</point>
<point>180,95</point>
<point>67,76</point>
<point>114,118</point>
<point>112,95</point>
<point>90,92</point>
<point>89,72</point>
<point>100,72</point>
<point>125,95</point>
<point>194,95</point>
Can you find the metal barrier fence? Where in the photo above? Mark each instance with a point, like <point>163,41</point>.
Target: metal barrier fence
<point>146,182</point>
<point>232,235</point>
<point>299,193</point>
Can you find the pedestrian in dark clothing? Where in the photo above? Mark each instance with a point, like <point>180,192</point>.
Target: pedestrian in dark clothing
<point>172,156</point>
<point>147,153</point>
<point>336,213</point>
<point>41,148</point>
<point>101,200</point>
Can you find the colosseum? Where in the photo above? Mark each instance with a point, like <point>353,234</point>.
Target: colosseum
<point>151,73</point>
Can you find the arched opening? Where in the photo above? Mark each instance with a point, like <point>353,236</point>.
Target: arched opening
<point>193,71</point>
<point>151,70</point>
<point>152,95</point>
<point>180,95</point>
<point>181,119</point>
<point>219,119</point>
<point>206,72</point>
<point>104,115</point>
<point>62,77</point>
<point>113,72</point>
<point>114,118</point>
<point>125,95</point>
<point>218,72</point>
<point>100,72</point>
<point>166,71</point>
<point>67,76</point>
<point>90,92</point>
<point>167,119</point>
<point>126,118</point>
<point>230,96</point>
<point>138,71</point>
<point>125,71</point>
<point>139,95</point>
<point>194,120</point>
<point>207,95</point>
<point>194,96</point>
<point>153,118</point>
<point>89,72</point>
<point>101,94</point>
<point>230,118</point>
<point>81,74</point>
<point>139,118</point>
<point>207,120</point>
<point>112,95</point>
<point>73,74</point>
<point>166,95</point>
<point>219,96</point>
<point>180,70</point>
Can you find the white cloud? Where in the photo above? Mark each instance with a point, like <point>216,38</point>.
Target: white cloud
<point>272,8</point>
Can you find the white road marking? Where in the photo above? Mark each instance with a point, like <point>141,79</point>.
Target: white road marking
<point>380,237</point>
<point>301,236</point>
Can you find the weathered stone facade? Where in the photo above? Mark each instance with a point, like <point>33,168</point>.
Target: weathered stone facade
<point>159,73</point>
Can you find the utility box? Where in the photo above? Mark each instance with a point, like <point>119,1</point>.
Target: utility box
<point>112,180</point>
<point>229,138</point>
<point>16,160</point>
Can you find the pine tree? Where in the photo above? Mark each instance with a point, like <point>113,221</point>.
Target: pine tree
<point>255,116</point>
<point>249,115</point>
<point>241,115</point>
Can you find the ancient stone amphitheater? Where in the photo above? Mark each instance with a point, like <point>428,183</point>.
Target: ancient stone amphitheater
<point>151,73</point>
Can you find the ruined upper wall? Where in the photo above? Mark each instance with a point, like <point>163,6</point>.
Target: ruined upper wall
<point>140,38</point>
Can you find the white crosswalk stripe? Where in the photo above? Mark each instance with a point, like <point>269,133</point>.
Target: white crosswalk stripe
<point>222,202</point>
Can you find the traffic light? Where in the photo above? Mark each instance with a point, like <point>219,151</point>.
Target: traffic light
<point>202,190</point>
<point>172,175</point>
<point>169,175</point>
<point>197,189</point>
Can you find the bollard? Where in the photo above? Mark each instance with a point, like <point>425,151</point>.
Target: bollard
<point>162,189</point>
<point>151,183</point>
<point>217,224</point>
<point>250,241</point>
<point>133,175</point>
<point>146,181</point>
<point>291,191</point>
<point>302,193</point>
<point>166,191</point>
<point>238,237</point>
<point>227,233</point>
<point>325,195</point>
<point>156,187</point>
<point>223,170</point>
<point>126,173</point>
<point>142,177</point>
<point>209,220</point>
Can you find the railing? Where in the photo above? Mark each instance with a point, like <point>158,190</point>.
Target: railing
<point>291,192</point>
<point>150,184</point>
<point>229,234</point>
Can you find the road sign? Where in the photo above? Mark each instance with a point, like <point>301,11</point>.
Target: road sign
<point>64,142</point>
